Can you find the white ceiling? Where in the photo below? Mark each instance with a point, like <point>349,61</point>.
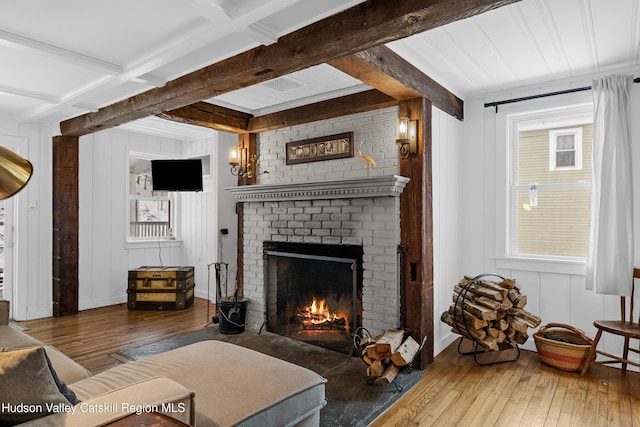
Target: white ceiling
<point>61,59</point>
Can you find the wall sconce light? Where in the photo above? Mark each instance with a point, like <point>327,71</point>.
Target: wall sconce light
<point>235,158</point>
<point>407,136</point>
<point>243,165</point>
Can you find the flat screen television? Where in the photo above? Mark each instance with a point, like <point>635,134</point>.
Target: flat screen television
<point>176,175</point>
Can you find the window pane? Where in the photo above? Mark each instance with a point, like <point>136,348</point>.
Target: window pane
<point>153,210</point>
<point>533,158</point>
<point>150,218</point>
<point>565,159</point>
<point>565,142</point>
<point>558,225</point>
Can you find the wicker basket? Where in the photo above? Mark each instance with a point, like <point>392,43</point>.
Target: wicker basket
<point>562,346</point>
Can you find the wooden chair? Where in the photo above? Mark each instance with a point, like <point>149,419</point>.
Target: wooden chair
<point>627,328</point>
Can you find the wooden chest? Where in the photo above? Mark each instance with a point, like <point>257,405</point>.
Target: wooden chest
<point>151,288</point>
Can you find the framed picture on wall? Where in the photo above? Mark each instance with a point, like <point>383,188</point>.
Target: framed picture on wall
<point>322,148</point>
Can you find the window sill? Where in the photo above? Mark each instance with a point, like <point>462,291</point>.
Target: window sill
<point>575,266</point>
<point>151,244</point>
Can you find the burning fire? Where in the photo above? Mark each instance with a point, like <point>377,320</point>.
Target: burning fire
<point>320,312</point>
<point>319,316</point>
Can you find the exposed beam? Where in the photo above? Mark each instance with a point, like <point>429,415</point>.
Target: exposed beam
<point>229,120</point>
<point>369,24</point>
<point>210,116</point>
<point>382,68</point>
<point>341,106</point>
<point>367,73</point>
<point>416,231</point>
<point>65,226</point>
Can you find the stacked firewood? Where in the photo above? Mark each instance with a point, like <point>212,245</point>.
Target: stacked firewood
<point>386,354</point>
<point>490,313</point>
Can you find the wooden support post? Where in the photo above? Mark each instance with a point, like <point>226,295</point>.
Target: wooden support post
<point>416,224</point>
<point>65,225</point>
<point>247,144</point>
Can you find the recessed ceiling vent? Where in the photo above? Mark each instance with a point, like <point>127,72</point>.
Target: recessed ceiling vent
<point>282,84</point>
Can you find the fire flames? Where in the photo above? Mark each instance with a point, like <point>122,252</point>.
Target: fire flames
<point>319,316</point>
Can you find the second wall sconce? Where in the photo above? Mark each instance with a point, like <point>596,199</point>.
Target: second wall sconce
<point>236,156</point>
<point>407,136</point>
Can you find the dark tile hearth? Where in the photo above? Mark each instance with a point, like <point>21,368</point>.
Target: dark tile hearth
<point>351,401</point>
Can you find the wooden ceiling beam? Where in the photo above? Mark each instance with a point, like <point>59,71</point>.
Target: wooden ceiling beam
<point>341,106</point>
<point>382,68</point>
<point>225,119</point>
<point>368,24</point>
<point>209,116</point>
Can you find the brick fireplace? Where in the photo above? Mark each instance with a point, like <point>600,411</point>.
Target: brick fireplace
<point>359,212</point>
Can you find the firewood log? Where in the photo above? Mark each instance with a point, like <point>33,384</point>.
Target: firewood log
<point>389,374</point>
<point>464,317</point>
<point>475,288</point>
<point>520,301</point>
<point>518,324</point>
<point>388,343</point>
<point>406,352</point>
<point>369,361</point>
<point>507,283</point>
<point>372,352</point>
<point>491,285</point>
<point>376,369</point>
<point>460,327</point>
<point>521,337</point>
<point>532,320</point>
<point>481,312</point>
<point>510,332</point>
<point>458,295</point>
<point>493,332</point>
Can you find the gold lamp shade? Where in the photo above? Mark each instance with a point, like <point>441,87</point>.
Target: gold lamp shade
<point>15,172</point>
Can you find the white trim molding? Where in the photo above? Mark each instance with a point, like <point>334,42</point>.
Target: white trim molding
<point>373,186</point>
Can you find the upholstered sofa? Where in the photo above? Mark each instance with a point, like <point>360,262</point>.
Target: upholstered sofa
<point>210,383</point>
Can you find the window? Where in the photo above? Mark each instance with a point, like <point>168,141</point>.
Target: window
<point>550,183</point>
<point>150,212</point>
<point>565,149</point>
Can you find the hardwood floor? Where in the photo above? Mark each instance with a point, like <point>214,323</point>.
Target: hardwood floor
<point>454,390</point>
<point>92,335</point>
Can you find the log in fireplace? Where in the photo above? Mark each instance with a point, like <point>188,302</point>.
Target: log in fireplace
<point>314,292</point>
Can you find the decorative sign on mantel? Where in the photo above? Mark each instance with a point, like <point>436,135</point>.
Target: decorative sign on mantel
<point>322,148</point>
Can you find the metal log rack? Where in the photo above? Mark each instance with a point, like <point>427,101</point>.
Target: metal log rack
<point>482,357</point>
<point>361,333</point>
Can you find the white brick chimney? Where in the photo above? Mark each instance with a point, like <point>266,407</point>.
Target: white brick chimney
<point>330,202</point>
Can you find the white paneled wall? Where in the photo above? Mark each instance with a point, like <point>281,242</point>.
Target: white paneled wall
<point>447,211</point>
<point>28,237</point>
<point>105,254</point>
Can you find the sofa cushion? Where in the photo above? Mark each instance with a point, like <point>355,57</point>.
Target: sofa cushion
<point>28,386</point>
<point>67,370</point>
<point>62,387</point>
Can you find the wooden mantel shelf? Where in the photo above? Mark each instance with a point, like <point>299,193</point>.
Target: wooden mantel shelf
<point>371,186</point>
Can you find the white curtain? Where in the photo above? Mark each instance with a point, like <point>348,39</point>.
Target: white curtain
<point>610,257</point>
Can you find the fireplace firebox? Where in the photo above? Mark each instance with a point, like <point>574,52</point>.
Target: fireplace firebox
<point>314,292</point>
